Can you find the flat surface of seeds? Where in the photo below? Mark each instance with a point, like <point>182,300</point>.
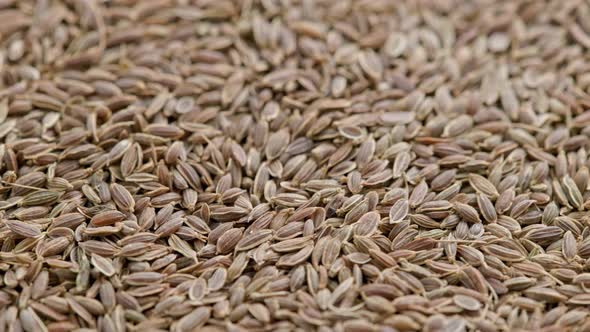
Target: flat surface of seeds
<point>300,165</point>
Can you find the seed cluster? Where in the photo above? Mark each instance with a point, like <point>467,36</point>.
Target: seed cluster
<point>294,165</point>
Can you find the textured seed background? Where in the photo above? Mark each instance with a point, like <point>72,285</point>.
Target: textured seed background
<point>294,165</point>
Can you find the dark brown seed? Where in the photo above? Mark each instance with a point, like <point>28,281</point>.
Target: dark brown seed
<point>107,218</point>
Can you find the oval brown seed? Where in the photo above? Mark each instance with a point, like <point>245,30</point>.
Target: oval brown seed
<point>107,218</point>
<point>398,211</point>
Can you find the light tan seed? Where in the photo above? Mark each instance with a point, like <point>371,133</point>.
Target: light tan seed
<point>483,185</point>
<point>23,229</point>
<point>30,321</point>
<point>399,211</point>
<point>193,320</point>
<point>122,197</point>
<point>467,212</point>
<point>569,245</point>
<point>573,193</point>
<point>467,302</point>
<point>103,265</point>
<point>367,224</point>
<point>487,209</point>
<point>254,239</point>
